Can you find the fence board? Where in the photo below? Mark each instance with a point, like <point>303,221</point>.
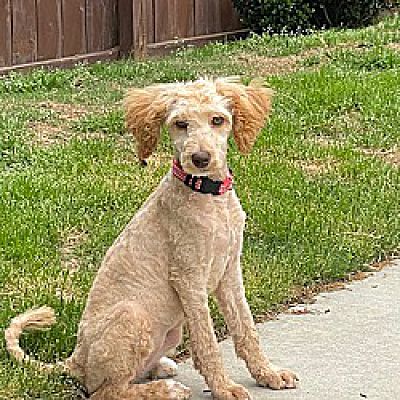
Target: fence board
<point>215,18</point>
<point>125,13</point>
<point>24,40</point>
<point>151,30</point>
<point>144,18</point>
<point>184,14</point>
<point>49,29</point>
<point>173,19</point>
<point>100,22</point>
<point>208,17</point>
<point>164,20</point>
<point>230,20</point>
<point>142,24</point>
<point>74,27</point>
<point>5,33</point>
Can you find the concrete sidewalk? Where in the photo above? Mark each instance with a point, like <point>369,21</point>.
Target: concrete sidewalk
<point>347,348</point>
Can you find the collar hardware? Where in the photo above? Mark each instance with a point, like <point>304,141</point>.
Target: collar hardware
<point>202,184</point>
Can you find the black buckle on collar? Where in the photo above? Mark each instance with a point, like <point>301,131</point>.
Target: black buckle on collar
<point>210,186</point>
<point>202,184</point>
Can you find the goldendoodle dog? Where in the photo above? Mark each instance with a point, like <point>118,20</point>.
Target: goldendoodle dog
<point>184,243</point>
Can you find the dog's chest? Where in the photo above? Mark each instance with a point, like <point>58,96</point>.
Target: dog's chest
<point>205,234</point>
<point>222,245</point>
<point>224,240</point>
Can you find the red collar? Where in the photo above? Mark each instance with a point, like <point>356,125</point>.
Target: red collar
<point>202,184</point>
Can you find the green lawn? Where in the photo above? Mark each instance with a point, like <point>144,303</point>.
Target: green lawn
<point>321,189</point>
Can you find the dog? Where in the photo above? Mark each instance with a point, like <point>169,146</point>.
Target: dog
<point>183,244</point>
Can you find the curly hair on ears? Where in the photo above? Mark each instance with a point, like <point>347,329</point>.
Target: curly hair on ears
<point>251,106</point>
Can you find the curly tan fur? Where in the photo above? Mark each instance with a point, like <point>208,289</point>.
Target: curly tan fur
<point>251,106</point>
<point>37,319</point>
<point>146,109</point>
<point>178,248</point>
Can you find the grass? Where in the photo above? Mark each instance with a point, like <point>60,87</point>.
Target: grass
<point>322,198</point>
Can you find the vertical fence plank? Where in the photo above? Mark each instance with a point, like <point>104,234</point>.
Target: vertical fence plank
<point>229,17</point>
<point>74,27</point>
<point>109,15</point>
<point>5,33</point>
<point>150,21</point>
<point>164,20</point>
<point>208,17</point>
<point>184,16</point>
<point>214,16</point>
<point>144,20</point>
<point>125,11</point>
<point>49,29</point>
<point>173,19</point>
<point>24,31</point>
<point>101,24</point>
<point>140,27</point>
<point>93,25</point>
<point>115,23</point>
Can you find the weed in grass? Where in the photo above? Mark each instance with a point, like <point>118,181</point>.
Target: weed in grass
<point>109,122</point>
<point>39,80</point>
<point>371,60</point>
<point>312,60</point>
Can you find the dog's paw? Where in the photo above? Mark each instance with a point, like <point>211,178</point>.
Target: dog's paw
<point>231,392</point>
<point>177,391</point>
<point>166,368</point>
<point>277,379</point>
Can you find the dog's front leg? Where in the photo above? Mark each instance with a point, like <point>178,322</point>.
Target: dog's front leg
<point>206,356</point>
<point>232,302</point>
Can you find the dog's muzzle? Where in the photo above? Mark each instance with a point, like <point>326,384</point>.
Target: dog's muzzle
<point>201,159</point>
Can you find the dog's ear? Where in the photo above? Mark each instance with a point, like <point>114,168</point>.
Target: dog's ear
<point>145,111</point>
<point>251,106</point>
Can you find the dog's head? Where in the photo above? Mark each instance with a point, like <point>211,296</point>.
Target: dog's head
<point>199,117</point>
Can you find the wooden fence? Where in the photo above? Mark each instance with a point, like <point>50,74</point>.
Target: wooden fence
<point>60,32</point>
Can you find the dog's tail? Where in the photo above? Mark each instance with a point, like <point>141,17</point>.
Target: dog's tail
<point>36,319</point>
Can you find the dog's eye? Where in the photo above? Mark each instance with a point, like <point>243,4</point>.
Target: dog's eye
<point>181,124</point>
<point>218,121</point>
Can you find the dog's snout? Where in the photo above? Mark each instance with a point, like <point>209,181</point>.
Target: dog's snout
<point>201,159</point>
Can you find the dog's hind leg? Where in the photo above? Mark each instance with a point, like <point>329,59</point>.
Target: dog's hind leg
<point>167,368</point>
<point>121,352</point>
<point>166,389</point>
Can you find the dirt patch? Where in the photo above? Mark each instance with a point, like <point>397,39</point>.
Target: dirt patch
<point>317,166</point>
<point>323,141</point>
<point>394,46</point>
<point>309,59</point>
<point>349,121</point>
<point>335,131</point>
<point>266,66</point>
<point>65,111</point>
<point>45,134</point>
<point>380,265</point>
<point>280,65</point>
<point>338,128</point>
<point>58,130</point>
<point>70,241</point>
<point>391,156</point>
<point>52,132</point>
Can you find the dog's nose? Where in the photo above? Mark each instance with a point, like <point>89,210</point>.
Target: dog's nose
<point>201,159</point>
